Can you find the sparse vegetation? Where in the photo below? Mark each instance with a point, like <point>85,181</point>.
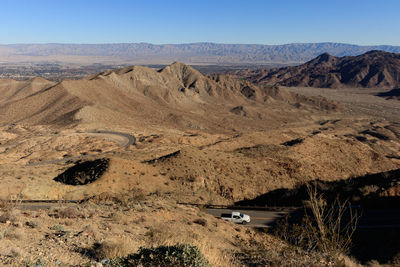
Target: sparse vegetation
<point>111,249</point>
<point>201,222</point>
<point>68,212</point>
<point>178,255</point>
<point>326,227</point>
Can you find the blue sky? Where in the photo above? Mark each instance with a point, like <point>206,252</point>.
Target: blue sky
<point>366,22</point>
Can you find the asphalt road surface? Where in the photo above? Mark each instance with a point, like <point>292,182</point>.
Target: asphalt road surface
<point>125,140</point>
<point>257,218</point>
<point>368,218</point>
<point>129,139</point>
<point>379,219</point>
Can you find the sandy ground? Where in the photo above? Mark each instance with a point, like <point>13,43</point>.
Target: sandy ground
<point>358,101</point>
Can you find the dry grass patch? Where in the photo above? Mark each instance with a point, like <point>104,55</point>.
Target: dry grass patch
<point>173,235</point>
<point>112,248</point>
<point>67,213</point>
<point>12,216</point>
<point>11,234</point>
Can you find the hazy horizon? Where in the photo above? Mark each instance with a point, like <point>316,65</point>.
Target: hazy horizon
<point>199,42</point>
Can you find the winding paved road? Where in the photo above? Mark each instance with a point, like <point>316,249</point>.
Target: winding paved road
<point>127,140</point>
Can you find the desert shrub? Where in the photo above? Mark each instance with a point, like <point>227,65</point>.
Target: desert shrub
<point>332,232</point>
<point>111,249</point>
<point>8,233</point>
<point>57,227</point>
<point>3,233</point>
<point>178,255</point>
<point>32,224</point>
<point>12,216</point>
<point>203,208</point>
<point>69,212</point>
<point>200,221</point>
<point>128,199</point>
<point>6,205</point>
<point>326,227</point>
<point>11,201</point>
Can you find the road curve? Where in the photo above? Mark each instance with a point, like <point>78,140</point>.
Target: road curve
<point>129,140</point>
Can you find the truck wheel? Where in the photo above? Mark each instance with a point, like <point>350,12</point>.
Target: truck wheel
<point>244,222</point>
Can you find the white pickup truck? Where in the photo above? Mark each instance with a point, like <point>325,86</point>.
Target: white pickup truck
<point>236,217</point>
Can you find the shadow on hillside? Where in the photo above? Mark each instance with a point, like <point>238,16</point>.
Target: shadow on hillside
<point>373,196</point>
<point>368,191</point>
<point>391,93</point>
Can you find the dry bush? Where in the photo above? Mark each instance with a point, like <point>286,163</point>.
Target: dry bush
<point>115,216</point>
<point>92,230</point>
<point>12,216</point>
<point>119,217</point>
<point>201,222</point>
<point>346,261</point>
<point>67,222</point>
<point>33,224</point>
<point>57,227</point>
<point>170,235</point>
<point>11,200</point>
<point>332,234</point>
<point>328,229</point>
<point>178,255</point>
<point>9,204</point>
<point>13,252</point>
<point>375,263</point>
<point>68,213</point>
<point>6,205</point>
<point>8,233</point>
<point>126,200</point>
<point>112,248</point>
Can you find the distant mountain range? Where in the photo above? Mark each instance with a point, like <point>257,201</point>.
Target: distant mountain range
<point>374,69</point>
<point>194,53</point>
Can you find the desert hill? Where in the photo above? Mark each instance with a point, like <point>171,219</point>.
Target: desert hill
<point>13,90</point>
<point>374,69</point>
<point>176,95</point>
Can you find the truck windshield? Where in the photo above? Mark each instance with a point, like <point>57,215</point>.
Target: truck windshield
<point>241,215</point>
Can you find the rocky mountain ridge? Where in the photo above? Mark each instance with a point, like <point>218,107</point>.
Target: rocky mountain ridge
<point>374,69</point>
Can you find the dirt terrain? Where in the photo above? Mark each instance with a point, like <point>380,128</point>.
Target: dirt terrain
<point>199,139</point>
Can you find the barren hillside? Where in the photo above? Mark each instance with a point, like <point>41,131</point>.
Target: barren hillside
<point>176,96</point>
<point>374,69</point>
